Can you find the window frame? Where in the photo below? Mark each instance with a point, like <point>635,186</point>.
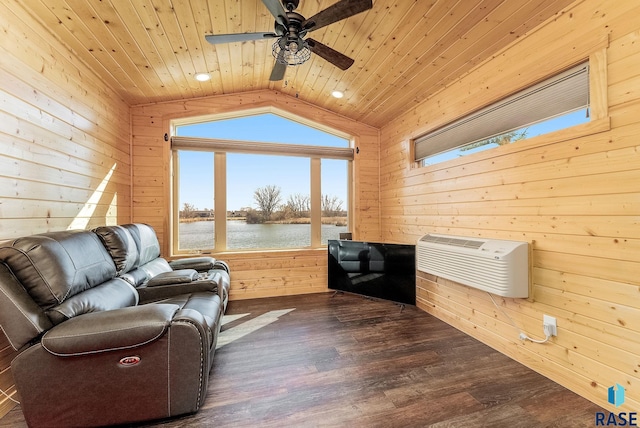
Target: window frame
<point>220,147</point>
<point>598,113</point>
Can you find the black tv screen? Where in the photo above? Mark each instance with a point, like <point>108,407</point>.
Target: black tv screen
<point>383,271</point>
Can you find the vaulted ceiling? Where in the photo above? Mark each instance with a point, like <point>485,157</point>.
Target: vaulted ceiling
<point>404,50</point>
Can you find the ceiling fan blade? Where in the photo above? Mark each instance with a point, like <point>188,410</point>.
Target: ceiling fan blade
<point>337,12</point>
<point>278,12</point>
<point>277,73</point>
<point>333,56</point>
<point>215,39</point>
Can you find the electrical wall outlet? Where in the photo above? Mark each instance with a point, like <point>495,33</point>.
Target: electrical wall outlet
<point>549,325</point>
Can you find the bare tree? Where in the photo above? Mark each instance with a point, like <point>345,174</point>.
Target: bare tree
<point>298,204</point>
<point>500,140</point>
<point>267,198</point>
<point>188,210</point>
<point>331,205</point>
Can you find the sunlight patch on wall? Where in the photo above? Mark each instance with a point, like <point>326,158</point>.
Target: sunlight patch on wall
<point>111,218</point>
<point>81,220</point>
<point>249,327</point>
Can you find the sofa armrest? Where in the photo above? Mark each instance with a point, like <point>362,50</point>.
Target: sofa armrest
<point>105,331</point>
<point>201,264</point>
<point>21,318</point>
<point>180,276</point>
<point>159,292</point>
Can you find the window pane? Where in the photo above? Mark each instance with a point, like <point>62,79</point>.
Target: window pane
<point>544,127</point>
<point>266,201</point>
<point>265,128</point>
<point>195,202</point>
<point>253,180</point>
<point>334,198</point>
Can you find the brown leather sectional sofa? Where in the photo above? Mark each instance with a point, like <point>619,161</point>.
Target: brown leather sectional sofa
<point>109,332</point>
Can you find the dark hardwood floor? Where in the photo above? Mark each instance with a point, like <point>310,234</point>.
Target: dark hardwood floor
<point>348,361</point>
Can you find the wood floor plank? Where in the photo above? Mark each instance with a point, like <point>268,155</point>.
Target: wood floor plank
<point>345,360</point>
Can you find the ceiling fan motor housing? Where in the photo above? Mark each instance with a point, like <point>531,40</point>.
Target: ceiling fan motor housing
<point>290,4</point>
<point>295,32</point>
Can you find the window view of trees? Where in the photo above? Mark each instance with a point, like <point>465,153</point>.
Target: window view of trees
<point>500,140</point>
<point>191,212</point>
<point>266,194</point>
<point>268,199</point>
<point>270,208</point>
<point>273,215</point>
<point>534,130</point>
<point>298,205</point>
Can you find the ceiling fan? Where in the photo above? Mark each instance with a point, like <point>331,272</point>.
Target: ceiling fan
<point>291,48</point>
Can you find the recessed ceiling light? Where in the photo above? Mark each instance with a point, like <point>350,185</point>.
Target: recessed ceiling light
<point>337,94</point>
<point>202,77</point>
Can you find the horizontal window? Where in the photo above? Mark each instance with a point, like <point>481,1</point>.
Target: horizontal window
<point>555,103</point>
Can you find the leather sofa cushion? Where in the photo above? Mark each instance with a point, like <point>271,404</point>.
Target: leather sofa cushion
<point>204,303</point>
<point>179,276</point>
<point>146,241</point>
<point>156,267</point>
<point>120,245</point>
<point>55,266</point>
<point>109,330</point>
<point>135,277</point>
<point>139,276</point>
<point>113,294</point>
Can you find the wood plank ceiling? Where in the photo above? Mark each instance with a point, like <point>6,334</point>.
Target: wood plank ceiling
<point>404,50</point>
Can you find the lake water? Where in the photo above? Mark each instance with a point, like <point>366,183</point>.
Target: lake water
<point>240,235</point>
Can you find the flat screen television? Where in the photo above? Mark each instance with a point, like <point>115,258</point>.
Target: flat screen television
<point>379,270</point>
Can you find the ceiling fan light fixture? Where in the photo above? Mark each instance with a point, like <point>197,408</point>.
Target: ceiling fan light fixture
<point>202,77</point>
<point>337,94</point>
<point>291,53</point>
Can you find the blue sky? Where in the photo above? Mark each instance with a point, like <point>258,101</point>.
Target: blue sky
<point>550,125</point>
<point>246,173</point>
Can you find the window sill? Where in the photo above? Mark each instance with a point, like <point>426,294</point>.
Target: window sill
<point>252,252</point>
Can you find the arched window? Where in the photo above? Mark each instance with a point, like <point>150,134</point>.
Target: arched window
<point>259,181</point>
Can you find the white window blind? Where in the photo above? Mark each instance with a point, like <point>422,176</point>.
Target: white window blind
<point>560,94</point>
<point>233,146</point>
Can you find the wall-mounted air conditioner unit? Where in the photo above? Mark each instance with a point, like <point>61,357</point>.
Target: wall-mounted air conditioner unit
<point>497,266</point>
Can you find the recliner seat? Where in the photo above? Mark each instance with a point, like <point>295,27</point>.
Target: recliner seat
<point>93,352</point>
<point>136,253</point>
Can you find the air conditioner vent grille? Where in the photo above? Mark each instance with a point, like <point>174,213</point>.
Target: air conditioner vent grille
<point>448,240</point>
<point>496,266</point>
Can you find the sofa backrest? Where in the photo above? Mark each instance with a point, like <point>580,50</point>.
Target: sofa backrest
<point>146,242</point>
<point>48,278</point>
<point>135,251</point>
<point>120,244</point>
<point>55,266</point>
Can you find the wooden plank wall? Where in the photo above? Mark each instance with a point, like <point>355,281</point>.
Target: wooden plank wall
<point>254,274</point>
<point>64,136</point>
<point>575,196</point>
<point>64,144</point>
